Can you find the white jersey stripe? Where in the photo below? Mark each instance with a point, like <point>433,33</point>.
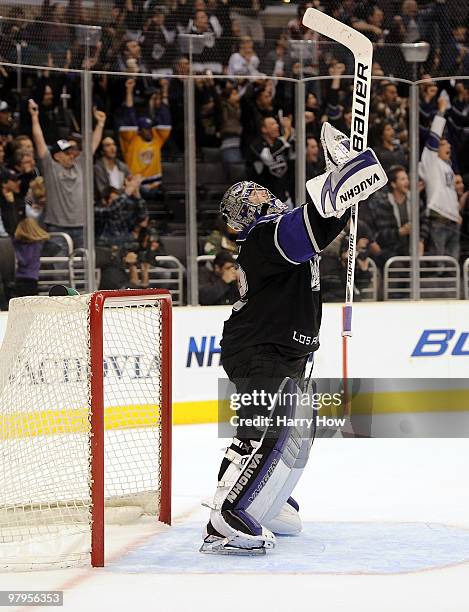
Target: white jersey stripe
<point>310,230</point>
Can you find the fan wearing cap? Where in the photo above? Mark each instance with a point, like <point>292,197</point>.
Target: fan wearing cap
<point>62,168</point>
<point>12,205</point>
<point>62,152</point>
<point>141,143</point>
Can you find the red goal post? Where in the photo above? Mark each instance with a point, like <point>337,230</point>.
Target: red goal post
<point>96,310</point>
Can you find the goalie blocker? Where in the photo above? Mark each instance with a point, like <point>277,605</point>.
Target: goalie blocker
<point>337,190</point>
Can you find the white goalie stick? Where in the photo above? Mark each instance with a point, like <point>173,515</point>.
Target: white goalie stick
<point>362,50</point>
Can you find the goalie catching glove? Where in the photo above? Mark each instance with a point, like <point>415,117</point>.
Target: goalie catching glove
<point>336,146</point>
<point>349,178</point>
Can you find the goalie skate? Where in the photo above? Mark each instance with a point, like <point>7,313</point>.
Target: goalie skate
<point>215,544</point>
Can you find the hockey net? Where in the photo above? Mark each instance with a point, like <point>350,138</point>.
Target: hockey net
<point>85,409</point>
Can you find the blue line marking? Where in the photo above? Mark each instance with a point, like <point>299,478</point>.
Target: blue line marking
<point>370,548</point>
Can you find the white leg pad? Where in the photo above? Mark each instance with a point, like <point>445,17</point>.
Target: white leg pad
<point>287,521</point>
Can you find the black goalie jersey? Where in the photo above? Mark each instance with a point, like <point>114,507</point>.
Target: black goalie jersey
<point>279,282</point>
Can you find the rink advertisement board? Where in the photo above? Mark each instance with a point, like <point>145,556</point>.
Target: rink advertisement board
<point>404,340</point>
<point>410,340</point>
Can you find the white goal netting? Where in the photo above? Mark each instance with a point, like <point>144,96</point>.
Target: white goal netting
<point>45,425</point>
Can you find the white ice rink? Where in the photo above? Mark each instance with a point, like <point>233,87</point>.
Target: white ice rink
<point>386,529</point>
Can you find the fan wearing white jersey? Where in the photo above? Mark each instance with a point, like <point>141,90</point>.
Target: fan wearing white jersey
<point>442,200</point>
<point>266,342</point>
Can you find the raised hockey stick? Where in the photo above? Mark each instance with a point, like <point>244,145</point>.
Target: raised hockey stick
<point>362,50</point>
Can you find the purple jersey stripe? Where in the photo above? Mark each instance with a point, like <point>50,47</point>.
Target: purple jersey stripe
<point>433,141</point>
<point>293,238</point>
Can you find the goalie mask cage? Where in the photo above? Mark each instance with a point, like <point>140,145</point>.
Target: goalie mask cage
<point>85,405</point>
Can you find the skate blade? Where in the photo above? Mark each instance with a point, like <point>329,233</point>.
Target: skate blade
<point>218,548</point>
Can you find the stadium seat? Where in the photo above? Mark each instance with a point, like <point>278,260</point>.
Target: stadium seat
<point>174,178</point>
<point>176,246</point>
<point>175,228</point>
<point>210,154</point>
<point>236,172</point>
<point>211,179</point>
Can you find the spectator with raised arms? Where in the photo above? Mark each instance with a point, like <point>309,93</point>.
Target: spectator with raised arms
<point>63,175</point>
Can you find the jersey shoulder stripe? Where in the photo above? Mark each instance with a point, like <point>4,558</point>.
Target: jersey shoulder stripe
<point>294,236</point>
<point>279,248</point>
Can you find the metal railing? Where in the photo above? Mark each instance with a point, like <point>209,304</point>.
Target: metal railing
<point>56,270</point>
<point>438,276</point>
<point>169,277</point>
<point>69,270</point>
<point>205,258</point>
<point>80,265</point>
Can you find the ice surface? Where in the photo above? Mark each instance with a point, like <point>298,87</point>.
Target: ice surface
<point>386,528</point>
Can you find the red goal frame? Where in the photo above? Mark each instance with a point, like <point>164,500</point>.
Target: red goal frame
<point>96,310</point>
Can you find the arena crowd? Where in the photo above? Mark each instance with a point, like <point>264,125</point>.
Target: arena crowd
<point>245,91</point>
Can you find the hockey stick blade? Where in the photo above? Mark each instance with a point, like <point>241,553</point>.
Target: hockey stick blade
<point>320,22</point>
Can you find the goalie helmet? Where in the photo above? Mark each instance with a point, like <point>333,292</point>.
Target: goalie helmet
<point>246,201</point>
